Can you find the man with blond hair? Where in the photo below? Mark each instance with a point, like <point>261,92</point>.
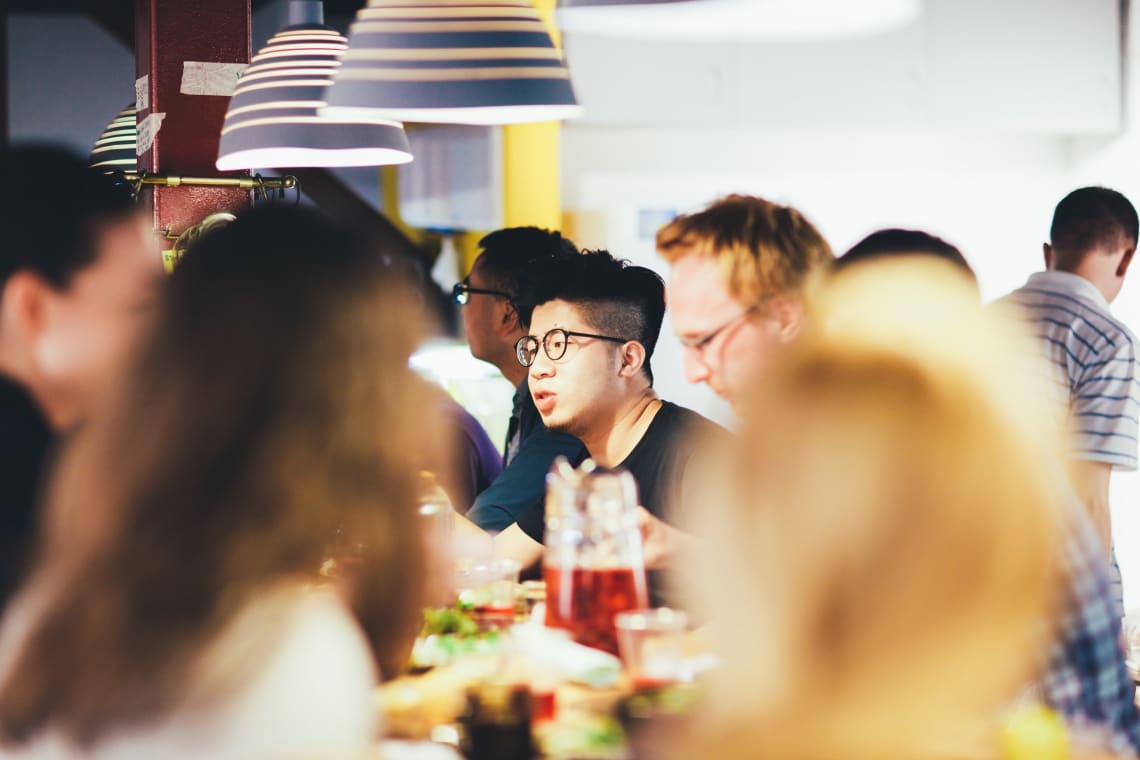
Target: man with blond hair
<point>740,270</point>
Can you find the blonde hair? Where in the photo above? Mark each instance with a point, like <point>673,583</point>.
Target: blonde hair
<point>892,511</point>
<point>763,248</point>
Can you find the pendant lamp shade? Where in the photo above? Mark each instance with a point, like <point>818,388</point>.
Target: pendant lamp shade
<point>115,150</point>
<point>735,20</point>
<point>452,62</point>
<point>272,120</point>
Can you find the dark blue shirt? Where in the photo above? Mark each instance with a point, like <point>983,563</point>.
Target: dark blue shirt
<point>522,484</point>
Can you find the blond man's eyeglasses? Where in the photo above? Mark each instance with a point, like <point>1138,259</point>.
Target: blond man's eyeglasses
<point>699,342</point>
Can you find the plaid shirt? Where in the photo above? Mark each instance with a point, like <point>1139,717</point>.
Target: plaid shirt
<point>1086,679</point>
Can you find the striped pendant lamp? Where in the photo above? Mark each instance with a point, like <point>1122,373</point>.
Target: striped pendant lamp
<point>272,119</point>
<point>452,62</point>
<point>734,20</point>
<point>114,151</point>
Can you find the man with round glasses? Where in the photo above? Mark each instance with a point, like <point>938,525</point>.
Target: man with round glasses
<point>740,269</point>
<point>594,323</point>
<point>488,298</point>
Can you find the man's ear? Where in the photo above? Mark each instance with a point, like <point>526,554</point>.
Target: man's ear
<point>1047,251</point>
<point>508,318</point>
<point>788,312</point>
<point>632,358</point>
<point>23,305</point>
<point>1125,261</point>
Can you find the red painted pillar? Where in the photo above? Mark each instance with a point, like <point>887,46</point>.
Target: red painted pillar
<point>188,57</point>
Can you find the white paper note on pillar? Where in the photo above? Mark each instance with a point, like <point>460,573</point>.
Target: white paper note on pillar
<point>142,93</point>
<point>148,130</point>
<point>208,78</point>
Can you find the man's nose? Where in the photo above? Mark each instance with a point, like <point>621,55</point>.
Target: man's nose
<point>695,370</point>
<point>542,366</point>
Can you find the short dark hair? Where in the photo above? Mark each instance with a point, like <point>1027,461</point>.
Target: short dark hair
<point>1090,218</point>
<point>51,202</point>
<point>621,300</point>
<point>899,242</point>
<point>514,256</point>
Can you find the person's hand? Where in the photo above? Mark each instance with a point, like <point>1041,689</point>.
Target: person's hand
<point>660,542</point>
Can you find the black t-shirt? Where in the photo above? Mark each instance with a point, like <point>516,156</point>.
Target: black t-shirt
<point>658,463</point>
<point>25,441</point>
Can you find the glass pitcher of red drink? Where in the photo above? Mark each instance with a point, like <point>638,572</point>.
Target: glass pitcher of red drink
<point>593,566</point>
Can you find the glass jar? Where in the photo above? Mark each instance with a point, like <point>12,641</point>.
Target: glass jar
<point>593,565</point>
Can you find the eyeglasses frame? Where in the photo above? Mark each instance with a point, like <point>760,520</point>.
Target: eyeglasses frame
<point>462,290</point>
<point>567,333</point>
<point>699,343</point>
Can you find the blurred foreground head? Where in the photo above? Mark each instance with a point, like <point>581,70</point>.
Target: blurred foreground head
<point>272,406</point>
<point>883,567</point>
<point>900,243</point>
<point>79,266</point>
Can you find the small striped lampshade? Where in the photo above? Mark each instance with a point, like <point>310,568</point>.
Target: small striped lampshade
<point>452,62</point>
<point>114,151</point>
<point>272,120</point>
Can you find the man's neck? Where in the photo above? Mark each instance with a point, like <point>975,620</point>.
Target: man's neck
<point>611,445</point>
<point>1090,275</point>
<point>514,372</point>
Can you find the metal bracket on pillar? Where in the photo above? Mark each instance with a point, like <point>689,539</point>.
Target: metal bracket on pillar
<point>262,185</point>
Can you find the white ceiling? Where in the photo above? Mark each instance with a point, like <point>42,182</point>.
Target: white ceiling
<point>1052,66</point>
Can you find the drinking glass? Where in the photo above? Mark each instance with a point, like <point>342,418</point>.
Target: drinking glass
<point>652,644</point>
<point>489,589</point>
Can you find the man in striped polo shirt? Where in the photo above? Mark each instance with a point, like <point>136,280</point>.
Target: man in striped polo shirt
<point>1093,355</point>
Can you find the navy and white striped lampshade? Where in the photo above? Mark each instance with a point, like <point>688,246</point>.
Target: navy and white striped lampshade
<point>114,151</point>
<point>452,62</point>
<point>272,120</point>
<point>734,20</point>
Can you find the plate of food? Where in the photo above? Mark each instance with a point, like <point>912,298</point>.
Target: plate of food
<point>450,634</point>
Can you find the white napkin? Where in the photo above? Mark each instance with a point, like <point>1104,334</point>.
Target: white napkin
<point>552,649</point>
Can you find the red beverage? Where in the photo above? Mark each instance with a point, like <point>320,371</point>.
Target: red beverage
<point>584,602</point>
<point>647,683</point>
<point>493,617</point>
<point>542,706</point>
<point>495,609</point>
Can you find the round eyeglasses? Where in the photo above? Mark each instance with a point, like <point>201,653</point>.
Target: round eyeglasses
<point>554,343</point>
<point>461,292</point>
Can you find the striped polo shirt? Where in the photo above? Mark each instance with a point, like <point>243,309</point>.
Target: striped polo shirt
<point>1093,356</point>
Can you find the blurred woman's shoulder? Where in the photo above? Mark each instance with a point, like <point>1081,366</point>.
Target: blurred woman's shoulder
<point>312,675</point>
<point>291,675</point>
